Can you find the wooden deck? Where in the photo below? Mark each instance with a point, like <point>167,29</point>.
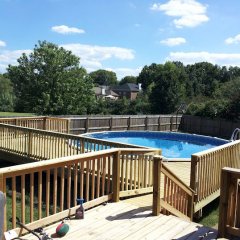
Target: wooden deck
<point>124,220</point>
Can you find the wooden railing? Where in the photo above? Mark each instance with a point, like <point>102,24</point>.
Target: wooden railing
<point>170,193</point>
<point>61,125</point>
<point>229,208</point>
<point>41,145</point>
<point>44,192</point>
<point>206,168</point>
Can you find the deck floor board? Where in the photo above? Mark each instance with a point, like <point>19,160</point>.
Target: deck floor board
<point>126,221</point>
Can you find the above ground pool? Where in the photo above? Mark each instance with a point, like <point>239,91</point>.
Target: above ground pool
<point>173,145</point>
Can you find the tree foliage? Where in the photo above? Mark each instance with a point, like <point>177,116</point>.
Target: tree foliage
<point>6,94</point>
<point>128,79</point>
<point>104,77</point>
<point>50,81</point>
<point>167,91</point>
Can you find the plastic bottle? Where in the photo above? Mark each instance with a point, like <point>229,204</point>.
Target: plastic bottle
<point>80,211</point>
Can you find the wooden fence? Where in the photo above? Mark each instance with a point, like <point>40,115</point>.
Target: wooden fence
<point>206,168</point>
<point>76,125</point>
<point>130,122</point>
<point>177,197</point>
<point>229,208</point>
<point>44,192</point>
<point>44,123</point>
<point>206,126</point>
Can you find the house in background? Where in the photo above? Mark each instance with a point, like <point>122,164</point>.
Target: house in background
<point>105,92</point>
<point>128,90</point>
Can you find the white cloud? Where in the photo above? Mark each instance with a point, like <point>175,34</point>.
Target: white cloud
<point>122,72</point>
<point>10,57</point>
<point>233,40</point>
<point>91,57</point>
<point>188,13</point>
<point>2,44</point>
<point>99,53</point>
<point>63,29</point>
<point>222,59</point>
<point>173,41</point>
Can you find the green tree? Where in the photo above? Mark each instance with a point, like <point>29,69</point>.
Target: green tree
<point>6,94</point>
<point>50,81</point>
<point>128,79</point>
<point>230,92</point>
<point>147,76</point>
<point>168,91</point>
<point>104,77</point>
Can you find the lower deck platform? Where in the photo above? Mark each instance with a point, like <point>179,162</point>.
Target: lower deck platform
<point>124,220</point>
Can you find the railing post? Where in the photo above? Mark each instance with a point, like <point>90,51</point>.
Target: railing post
<point>190,207</point>
<point>129,123</point>
<point>157,167</point>
<point>159,123</point>
<point>30,140</point>
<point>171,123</point>
<point>68,125</point>
<point>223,205</point>
<point>146,123</point>
<point>86,125</point>
<point>110,123</point>
<point>2,205</point>
<point>45,123</point>
<point>193,178</point>
<point>116,176</point>
<point>3,222</point>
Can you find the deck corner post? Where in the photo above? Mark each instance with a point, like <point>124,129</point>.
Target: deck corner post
<point>190,211</point>
<point>157,165</point>
<point>223,205</point>
<point>193,178</point>
<point>116,176</point>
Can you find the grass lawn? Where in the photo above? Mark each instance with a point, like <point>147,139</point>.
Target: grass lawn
<point>15,114</point>
<point>210,214</point>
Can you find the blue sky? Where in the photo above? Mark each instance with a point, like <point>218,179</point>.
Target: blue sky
<point>124,35</point>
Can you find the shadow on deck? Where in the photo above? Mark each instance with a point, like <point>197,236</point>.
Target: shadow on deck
<point>124,220</point>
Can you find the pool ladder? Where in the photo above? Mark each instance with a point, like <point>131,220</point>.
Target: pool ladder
<point>235,134</point>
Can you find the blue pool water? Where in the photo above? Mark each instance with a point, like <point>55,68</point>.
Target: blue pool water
<point>173,145</point>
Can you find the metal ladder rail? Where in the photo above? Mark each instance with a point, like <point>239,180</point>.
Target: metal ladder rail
<point>235,134</point>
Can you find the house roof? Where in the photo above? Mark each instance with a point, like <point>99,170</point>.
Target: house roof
<point>98,91</point>
<point>127,87</point>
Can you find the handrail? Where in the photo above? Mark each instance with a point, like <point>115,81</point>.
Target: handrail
<point>206,168</point>
<point>55,184</point>
<point>229,214</point>
<point>40,145</point>
<point>235,134</point>
<point>177,198</point>
<point>2,203</point>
